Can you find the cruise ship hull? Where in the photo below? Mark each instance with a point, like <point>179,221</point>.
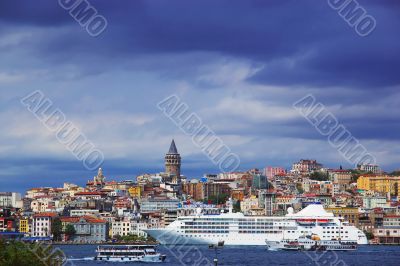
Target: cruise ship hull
<point>170,237</point>
<point>237,229</point>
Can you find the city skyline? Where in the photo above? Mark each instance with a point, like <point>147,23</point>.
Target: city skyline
<point>240,76</point>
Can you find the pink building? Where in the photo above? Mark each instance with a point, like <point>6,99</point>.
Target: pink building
<point>270,171</point>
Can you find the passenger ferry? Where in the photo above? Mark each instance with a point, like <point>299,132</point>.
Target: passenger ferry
<point>238,229</point>
<point>128,253</point>
<point>311,243</point>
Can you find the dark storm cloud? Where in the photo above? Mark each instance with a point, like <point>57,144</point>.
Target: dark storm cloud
<point>299,42</point>
<point>151,49</point>
<point>38,12</point>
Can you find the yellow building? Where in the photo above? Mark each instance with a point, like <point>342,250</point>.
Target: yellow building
<point>349,214</point>
<point>382,183</point>
<point>135,192</point>
<point>24,226</point>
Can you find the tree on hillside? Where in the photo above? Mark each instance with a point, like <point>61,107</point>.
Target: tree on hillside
<point>56,229</point>
<point>320,176</point>
<point>70,231</point>
<point>219,199</point>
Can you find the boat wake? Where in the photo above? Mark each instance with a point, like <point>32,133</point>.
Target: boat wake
<point>77,259</point>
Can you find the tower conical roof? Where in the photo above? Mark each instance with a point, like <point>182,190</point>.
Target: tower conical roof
<point>172,148</point>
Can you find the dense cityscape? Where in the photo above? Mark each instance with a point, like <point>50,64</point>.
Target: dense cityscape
<point>105,210</point>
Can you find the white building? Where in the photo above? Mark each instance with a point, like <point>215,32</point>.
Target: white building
<point>370,168</point>
<point>154,205</point>
<point>41,224</point>
<point>121,228</point>
<point>44,205</point>
<point>10,199</point>
<point>371,202</point>
<point>128,227</point>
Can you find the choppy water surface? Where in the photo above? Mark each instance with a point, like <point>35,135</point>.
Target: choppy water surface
<point>254,255</point>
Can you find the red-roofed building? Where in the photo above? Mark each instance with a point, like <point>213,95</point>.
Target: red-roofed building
<point>88,229</point>
<point>41,225</point>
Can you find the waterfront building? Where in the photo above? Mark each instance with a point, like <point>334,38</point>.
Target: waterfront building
<point>7,224</point>
<point>389,233</point>
<point>380,183</point>
<point>41,224</point>
<point>128,227</point>
<point>24,226</point>
<point>88,229</point>
<point>121,228</point>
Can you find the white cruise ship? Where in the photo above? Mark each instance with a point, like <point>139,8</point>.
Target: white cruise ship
<point>237,229</point>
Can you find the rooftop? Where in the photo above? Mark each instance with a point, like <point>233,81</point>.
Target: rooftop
<point>172,148</point>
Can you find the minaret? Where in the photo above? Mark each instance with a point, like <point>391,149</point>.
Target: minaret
<point>173,162</point>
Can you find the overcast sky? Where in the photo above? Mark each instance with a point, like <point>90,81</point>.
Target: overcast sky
<point>239,65</point>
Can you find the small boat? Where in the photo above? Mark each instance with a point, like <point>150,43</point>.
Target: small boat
<point>311,243</point>
<point>302,243</point>
<point>128,253</point>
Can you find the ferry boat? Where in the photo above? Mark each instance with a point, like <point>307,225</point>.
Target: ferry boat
<point>128,253</point>
<point>303,243</point>
<point>238,229</point>
<point>311,243</point>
